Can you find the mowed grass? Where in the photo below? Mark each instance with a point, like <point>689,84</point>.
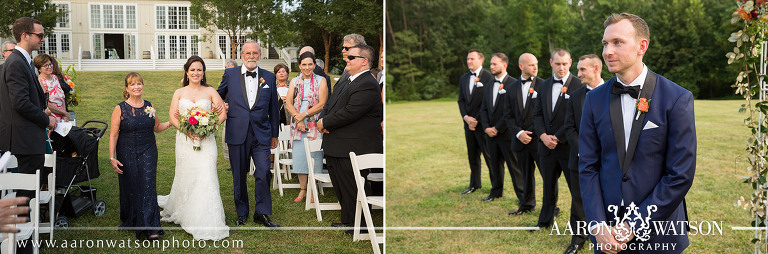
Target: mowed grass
<point>427,169</point>
<point>101,91</point>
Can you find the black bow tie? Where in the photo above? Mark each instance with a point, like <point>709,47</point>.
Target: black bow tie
<point>620,89</point>
<point>522,81</point>
<point>250,74</point>
<point>472,74</point>
<point>557,81</point>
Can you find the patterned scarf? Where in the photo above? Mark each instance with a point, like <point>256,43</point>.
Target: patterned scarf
<point>314,97</point>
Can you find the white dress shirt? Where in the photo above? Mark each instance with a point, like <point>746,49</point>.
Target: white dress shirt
<point>496,88</point>
<point>525,86</point>
<point>556,89</point>
<point>251,85</point>
<point>628,108</point>
<point>472,80</point>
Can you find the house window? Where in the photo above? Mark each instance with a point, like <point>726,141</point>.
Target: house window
<point>177,46</point>
<point>174,18</point>
<point>56,45</point>
<point>63,20</point>
<point>113,16</point>
<point>98,46</point>
<point>224,46</point>
<point>161,46</point>
<point>193,45</point>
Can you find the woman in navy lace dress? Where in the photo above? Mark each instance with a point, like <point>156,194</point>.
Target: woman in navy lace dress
<point>132,136</point>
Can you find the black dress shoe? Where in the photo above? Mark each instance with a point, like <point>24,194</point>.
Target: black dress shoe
<point>352,231</point>
<point>520,211</point>
<point>264,220</point>
<point>240,221</point>
<point>557,211</point>
<point>572,249</point>
<point>469,190</point>
<point>490,198</point>
<point>339,225</point>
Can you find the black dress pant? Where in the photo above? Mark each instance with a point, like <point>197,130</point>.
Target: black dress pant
<point>527,160</point>
<point>551,167</point>
<point>28,164</point>
<point>577,207</point>
<point>475,146</point>
<point>499,151</point>
<point>343,179</point>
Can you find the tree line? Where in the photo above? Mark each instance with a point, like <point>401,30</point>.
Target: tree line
<point>428,40</point>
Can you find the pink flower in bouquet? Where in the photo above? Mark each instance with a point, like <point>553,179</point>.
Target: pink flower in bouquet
<point>192,120</point>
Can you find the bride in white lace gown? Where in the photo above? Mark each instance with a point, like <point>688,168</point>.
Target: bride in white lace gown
<point>194,202</point>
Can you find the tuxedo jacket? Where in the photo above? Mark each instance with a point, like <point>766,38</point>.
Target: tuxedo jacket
<point>492,114</point>
<point>545,120</point>
<point>572,121</point>
<point>353,118</point>
<point>658,166</point>
<point>22,108</point>
<point>469,105</point>
<point>521,118</point>
<point>264,116</point>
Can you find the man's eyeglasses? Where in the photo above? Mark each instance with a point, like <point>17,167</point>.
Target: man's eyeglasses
<point>39,35</point>
<point>346,48</point>
<point>351,57</point>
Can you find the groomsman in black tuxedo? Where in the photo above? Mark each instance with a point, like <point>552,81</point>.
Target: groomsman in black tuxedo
<point>471,87</point>
<point>521,98</point>
<point>493,123</point>
<point>549,122</point>
<point>589,72</point>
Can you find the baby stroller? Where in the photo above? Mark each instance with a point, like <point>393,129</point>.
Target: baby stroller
<point>77,161</point>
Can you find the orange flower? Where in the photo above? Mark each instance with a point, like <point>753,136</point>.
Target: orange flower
<point>564,89</point>
<point>744,15</point>
<point>642,105</point>
<point>71,84</point>
<point>477,79</point>
<point>501,86</point>
<point>530,90</point>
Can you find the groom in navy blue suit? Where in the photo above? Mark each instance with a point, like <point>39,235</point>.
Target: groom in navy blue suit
<point>252,129</point>
<point>637,149</point>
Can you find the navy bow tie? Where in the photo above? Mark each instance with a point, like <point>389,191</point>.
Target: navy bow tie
<point>251,74</point>
<point>620,89</point>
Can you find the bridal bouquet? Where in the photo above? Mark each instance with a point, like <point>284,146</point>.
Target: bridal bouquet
<point>198,122</point>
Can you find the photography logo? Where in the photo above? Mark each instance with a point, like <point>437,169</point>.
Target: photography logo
<point>632,222</point>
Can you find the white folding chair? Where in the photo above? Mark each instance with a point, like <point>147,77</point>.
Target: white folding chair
<point>19,181</point>
<point>312,181</point>
<point>361,162</point>
<point>49,196</point>
<point>283,162</point>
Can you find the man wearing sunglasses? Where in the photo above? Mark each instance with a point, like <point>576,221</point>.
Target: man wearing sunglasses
<point>352,123</point>
<point>8,47</point>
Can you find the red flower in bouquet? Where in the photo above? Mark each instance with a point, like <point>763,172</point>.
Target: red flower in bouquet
<point>192,120</point>
<point>198,123</point>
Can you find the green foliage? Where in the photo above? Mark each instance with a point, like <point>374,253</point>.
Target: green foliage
<point>685,36</point>
<point>42,10</point>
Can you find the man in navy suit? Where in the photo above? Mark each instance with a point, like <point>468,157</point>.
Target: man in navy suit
<point>637,147</point>
<point>252,129</point>
<point>471,87</point>
<point>549,123</point>
<point>498,136</point>
<point>589,72</point>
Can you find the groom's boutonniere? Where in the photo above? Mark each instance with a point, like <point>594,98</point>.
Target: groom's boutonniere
<point>478,83</point>
<point>564,90</point>
<point>642,106</point>
<point>501,88</point>
<point>150,111</point>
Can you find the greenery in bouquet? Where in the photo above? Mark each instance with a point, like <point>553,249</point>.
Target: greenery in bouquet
<point>198,122</point>
<point>750,43</point>
<point>70,74</point>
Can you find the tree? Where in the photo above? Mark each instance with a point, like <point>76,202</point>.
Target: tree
<point>42,10</point>
<point>238,18</point>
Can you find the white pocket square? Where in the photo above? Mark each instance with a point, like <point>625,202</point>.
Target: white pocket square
<point>650,125</point>
<point>265,86</point>
<point>567,96</point>
<point>535,94</point>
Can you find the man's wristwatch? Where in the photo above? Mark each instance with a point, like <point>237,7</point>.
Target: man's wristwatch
<point>111,158</point>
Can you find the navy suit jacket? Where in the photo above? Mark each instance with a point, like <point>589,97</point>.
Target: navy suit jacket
<point>492,115</point>
<point>658,166</point>
<point>264,116</point>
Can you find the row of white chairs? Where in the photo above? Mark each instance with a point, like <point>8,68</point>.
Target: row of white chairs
<point>9,182</point>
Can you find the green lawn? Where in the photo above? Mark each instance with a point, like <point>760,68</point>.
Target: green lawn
<point>101,91</point>
<point>427,169</point>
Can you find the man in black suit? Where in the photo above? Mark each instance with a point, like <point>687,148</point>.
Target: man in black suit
<point>318,70</point>
<point>470,99</point>
<point>352,122</point>
<point>589,72</point>
<point>522,96</point>
<point>22,101</point>
<point>549,122</point>
<point>494,125</point>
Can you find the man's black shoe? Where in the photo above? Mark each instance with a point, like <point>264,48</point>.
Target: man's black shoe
<point>469,190</point>
<point>572,249</point>
<point>240,221</point>
<point>489,198</point>
<point>264,220</point>
<point>520,212</point>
